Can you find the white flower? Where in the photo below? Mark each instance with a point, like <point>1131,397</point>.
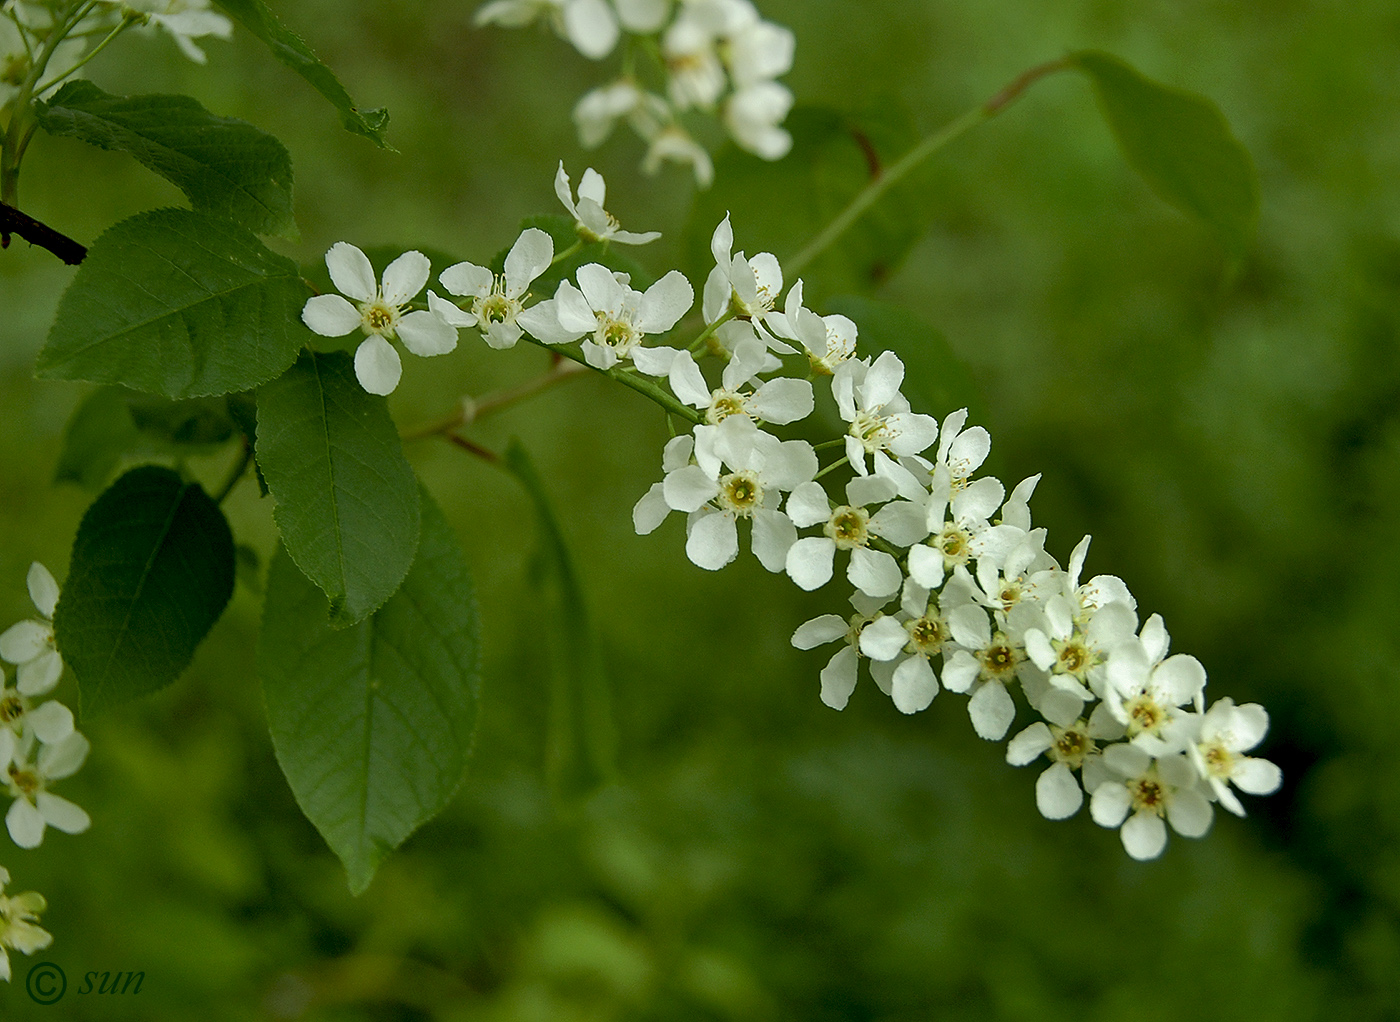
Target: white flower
<point>747,288</point>
<point>674,144</point>
<point>19,929</point>
<point>185,20</point>
<point>781,400</point>
<point>902,647</point>
<point>617,316</point>
<point>30,644</point>
<point>838,677</point>
<point>49,721</point>
<point>592,221</point>
<point>752,116</point>
<point>986,662</point>
<point>964,537</point>
<point>590,25</point>
<point>690,46</point>
<point>1149,790</point>
<point>761,469</point>
<point>851,527</point>
<point>1073,653</point>
<point>1145,692</point>
<point>497,301</point>
<point>759,51</point>
<point>867,395</point>
<point>378,311</point>
<point>599,110</point>
<point>1072,747</point>
<point>651,510</point>
<point>827,340</point>
<point>34,806</point>
<point>15,57</point>
<point>1226,731</point>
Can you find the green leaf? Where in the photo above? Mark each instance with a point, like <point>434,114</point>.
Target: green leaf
<point>780,206</point>
<point>113,423</point>
<point>178,303</point>
<point>152,568</point>
<point>936,380</point>
<point>373,724</point>
<point>347,501</point>
<point>226,167</point>
<point>1181,144</point>
<point>581,752</point>
<point>99,432</point>
<point>291,51</point>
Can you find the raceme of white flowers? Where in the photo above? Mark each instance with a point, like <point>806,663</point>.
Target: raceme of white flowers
<point>951,586</point>
<point>715,56</point>
<point>38,746</point>
<point>25,26</point>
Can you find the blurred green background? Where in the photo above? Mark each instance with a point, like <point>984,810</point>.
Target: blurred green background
<point>1229,435</point>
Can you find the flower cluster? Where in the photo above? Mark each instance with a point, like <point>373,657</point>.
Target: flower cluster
<point>953,587</point>
<point>714,56</point>
<point>37,742</point>
<point>26,26</point>
<point>38,746</point>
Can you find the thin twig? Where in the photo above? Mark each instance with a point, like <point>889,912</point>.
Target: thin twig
<point>12,221</point>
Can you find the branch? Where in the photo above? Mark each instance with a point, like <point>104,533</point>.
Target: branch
<point>12,221</point>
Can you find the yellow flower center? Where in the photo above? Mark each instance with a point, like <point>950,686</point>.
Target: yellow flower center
<point>378,317</point>
<point>1149,794</point>
<point>1072,744</point>
<point>1000,658</point>
<point>725,404</point>
<point>926,634</point>
<point>1145,714</point>
<point>740,492</point>
<point>11,709</point>
<point>847,526</point>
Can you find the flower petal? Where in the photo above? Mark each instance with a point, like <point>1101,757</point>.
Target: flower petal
<point>1057,794</point>
<point>468,279</point>
<point>809,561</point>
<point>883,639</point>
<point>60,813</point>
<point>914,685</point>
<point>25,824</point>
<point>839,678</point>
<point>426,334</point>
<point>991,710</point>
<point>1029,744</point>
<point>377,366</point>
<point>713,541</point>
<point>819,631</point>
<point>874,572</point>
<point>527,259</point>
<point>330,315</point>
<point>43,590</point>
<point>665,302</point>
<point>40,675</point>
<point>649,512</point>
<point>1144,836</point>
<point>773,535</point>
<point>405,277</point>
<point>351,272</point>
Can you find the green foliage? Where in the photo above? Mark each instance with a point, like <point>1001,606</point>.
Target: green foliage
<point>293,52</point>
<point>151,571</point>
<point>373,724</point>
<point>225,167</point>
<point>178,303</point>
<point>1181,144</point>
<point>581,750</point>
<point>347,502</point>
<point>936,380</point>
<point>780,206</point>
<point>112,423</point>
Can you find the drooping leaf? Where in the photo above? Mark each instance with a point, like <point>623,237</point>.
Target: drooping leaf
<point>1181,144</point>
<point>373,724</point>
<point>152,568</point>
<point>293,52</point>
<point>581,753</point>
<point>98,433</point>
<point>178,303</point>
<point>936,380</point>
<point>226,167</point>
<point>780,206</point>
<point>113,423</point>
<point>347,501</point>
